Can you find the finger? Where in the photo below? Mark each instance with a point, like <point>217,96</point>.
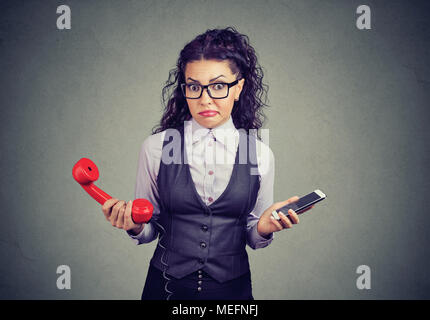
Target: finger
<point>285,221</point>
<point>115,212</point>
<point>309,208</point>
<point>128,221</point>
<point>107,207</point>
<point>120,220</point>
<point>294,217</point>
<point>278,226</point>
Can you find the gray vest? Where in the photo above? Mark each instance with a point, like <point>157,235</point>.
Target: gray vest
<point>204,237</point>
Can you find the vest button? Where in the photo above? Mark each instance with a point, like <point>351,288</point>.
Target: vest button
<point>205,227</point>
<point>202,244</point>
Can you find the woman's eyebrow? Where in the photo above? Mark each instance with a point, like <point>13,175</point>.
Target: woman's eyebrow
<point>209,80</point>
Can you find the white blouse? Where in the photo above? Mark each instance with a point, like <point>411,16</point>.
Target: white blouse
<point>210,156</point>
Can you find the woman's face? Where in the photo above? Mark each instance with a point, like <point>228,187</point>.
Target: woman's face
<point>204,72</point>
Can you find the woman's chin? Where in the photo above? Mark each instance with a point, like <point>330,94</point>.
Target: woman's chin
<point>209,122</point>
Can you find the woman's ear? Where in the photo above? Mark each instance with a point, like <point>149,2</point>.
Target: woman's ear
<point>239,88</point>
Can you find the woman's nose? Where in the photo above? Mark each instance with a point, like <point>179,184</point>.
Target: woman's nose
<point>205,96</point>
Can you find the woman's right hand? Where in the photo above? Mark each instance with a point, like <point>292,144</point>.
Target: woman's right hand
<point>118,213</point>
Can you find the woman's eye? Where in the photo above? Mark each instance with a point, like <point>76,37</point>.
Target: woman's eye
<point>193,87</point>
<point>219,86</point>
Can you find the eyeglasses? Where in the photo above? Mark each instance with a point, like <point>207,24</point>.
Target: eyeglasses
<point>218,90</point>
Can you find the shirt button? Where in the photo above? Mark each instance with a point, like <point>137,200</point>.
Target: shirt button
<point>211,172</point>
<point>210,199</point>
<point>202,244</point>
<point>205,227</point>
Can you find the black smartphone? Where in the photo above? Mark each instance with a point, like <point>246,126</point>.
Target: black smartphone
<point>300,205</point>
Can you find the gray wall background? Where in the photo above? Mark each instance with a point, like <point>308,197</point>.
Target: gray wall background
<point>349,114</point>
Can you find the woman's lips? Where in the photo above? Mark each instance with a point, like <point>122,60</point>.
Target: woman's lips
<point>209,113</point>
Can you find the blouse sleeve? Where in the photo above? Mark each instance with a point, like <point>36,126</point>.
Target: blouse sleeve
<point>146,183</point>
<point>266,168</point>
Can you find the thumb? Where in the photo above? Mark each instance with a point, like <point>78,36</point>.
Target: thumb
<point>293,199</point>
<point>281,204</point>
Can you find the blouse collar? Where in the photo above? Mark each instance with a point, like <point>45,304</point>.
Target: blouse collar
<point>222,133</point>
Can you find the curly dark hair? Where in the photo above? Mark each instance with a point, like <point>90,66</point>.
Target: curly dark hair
<point>218,44</point>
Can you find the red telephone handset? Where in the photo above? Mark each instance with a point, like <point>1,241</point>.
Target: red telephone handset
<point>86,172</point>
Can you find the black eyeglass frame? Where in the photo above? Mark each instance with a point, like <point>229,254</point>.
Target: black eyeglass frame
<point>229,85</point>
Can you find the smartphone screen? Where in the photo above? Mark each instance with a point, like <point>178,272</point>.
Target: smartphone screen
<point>304,202</point>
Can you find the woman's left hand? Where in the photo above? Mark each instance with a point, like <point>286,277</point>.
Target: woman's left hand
<point>267,224</point>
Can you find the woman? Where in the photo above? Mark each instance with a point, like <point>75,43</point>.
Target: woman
<point>205,210</point>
